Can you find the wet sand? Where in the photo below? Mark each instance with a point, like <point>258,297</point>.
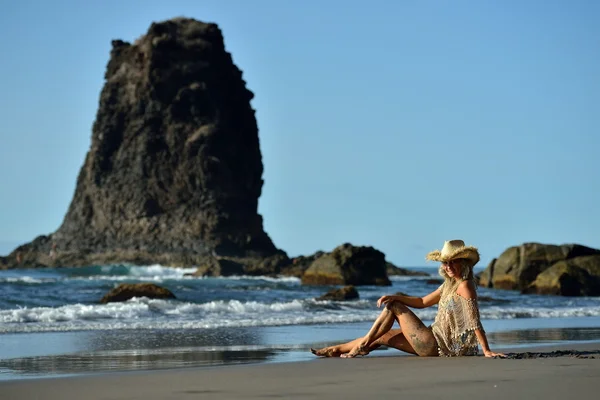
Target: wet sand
<point>544,373</point>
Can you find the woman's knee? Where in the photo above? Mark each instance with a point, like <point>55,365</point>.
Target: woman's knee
<point>396,307</point>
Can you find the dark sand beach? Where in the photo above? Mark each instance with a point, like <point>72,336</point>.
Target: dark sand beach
<point>543,373</point>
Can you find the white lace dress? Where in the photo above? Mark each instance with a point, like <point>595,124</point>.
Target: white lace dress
<point>455,324</point>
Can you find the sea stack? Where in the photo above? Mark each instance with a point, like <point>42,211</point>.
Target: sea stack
<point>174,171</point>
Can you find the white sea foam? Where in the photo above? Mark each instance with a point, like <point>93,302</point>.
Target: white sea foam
<point>143,313</point>
<point>159,270</point>
<point>121,272</point>
<point>159,273</point>
<point>122,278</point>
<point>290,279</point>
<point>181,324</point>
<point>25,279</point>
<point>156,273</point>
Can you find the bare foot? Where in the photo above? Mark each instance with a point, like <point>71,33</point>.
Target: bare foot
<point>359,350</point>
<point>325,352</point>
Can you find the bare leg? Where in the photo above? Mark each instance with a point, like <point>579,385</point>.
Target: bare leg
<point>382,324</point>
<point>417,334</point>
<point>396,339</point>
<point>419,337</point>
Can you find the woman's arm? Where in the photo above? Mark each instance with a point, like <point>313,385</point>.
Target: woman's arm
<point>484,344</point>
<point>411,301</point>
<point>467,290</point>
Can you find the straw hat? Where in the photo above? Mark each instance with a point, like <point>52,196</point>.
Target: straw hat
<point>455,249</point>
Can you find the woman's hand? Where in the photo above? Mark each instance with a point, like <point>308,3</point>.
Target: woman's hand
<point>385,300</point>
<point>480,333</point>
<point>489,353</point>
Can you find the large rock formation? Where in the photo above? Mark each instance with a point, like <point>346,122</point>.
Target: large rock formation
<point>574,277</point>
<point>348,265</point>
<point>300,264</point>
<point>174,172</point>
<point>344,263</point>
<point>393,270</point>
<point>569,270</point>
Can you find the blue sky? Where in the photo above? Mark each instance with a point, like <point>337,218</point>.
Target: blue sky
<point>397,124</point>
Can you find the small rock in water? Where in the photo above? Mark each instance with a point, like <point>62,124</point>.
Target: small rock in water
<point>345,293</point>
<point>126,291</point>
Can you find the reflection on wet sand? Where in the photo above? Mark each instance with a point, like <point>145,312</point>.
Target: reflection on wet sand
<point>131,360</point>
<point>146,350</point>
<point>138,350</point>
<point>546,335</point>
<point>168,339</point>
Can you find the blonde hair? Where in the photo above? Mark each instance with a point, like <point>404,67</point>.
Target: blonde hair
<point>450,284</point>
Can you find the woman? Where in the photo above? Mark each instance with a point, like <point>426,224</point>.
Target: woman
<point>457,328</point>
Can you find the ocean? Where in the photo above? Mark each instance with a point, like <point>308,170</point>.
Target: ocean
<point>52,324</point>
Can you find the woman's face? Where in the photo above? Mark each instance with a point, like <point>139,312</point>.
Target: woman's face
<point>452,268</point>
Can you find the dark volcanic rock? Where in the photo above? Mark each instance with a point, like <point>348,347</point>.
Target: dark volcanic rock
<point>392,270</point>
<point>546,269</point>
<point>300,264</point>
<point>220,267</point>
<point>174,171</point>
<point>348,265</point>
<point>342,294</point>
<point>224,266</point>
<point>126,291</point>
<point>575,277</point>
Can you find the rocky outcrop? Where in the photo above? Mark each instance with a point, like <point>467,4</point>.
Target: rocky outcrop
<point>569,269</point>
<point>235,266</point>
<point>174,171</point>
<point>297,266</point>
<point>219,267</point>
<point>392,270</point>
<point>348,265</point>
<point>300,264</point>
<point>343,294</point>
<point>575,277</point>
<point>126,291</point>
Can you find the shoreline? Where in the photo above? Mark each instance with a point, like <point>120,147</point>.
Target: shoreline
<point>534,374</point>
<point>78,354</point>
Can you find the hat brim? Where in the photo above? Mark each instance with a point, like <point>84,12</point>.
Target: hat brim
<point>468,253</point>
